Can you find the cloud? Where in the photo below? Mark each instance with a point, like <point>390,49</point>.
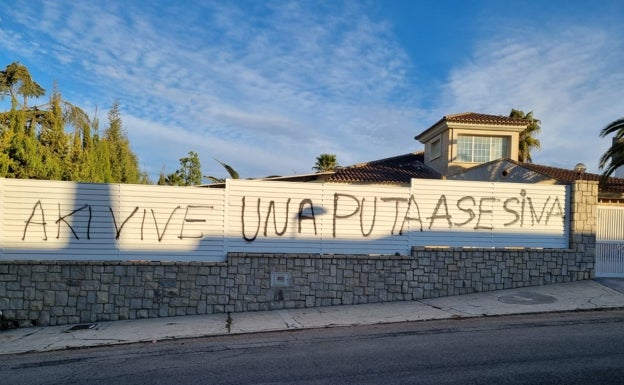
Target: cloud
<point>268,86</point>
<point>570,78</point>
<point>290,78</point>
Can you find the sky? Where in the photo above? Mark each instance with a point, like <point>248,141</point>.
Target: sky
<point>267,86</point>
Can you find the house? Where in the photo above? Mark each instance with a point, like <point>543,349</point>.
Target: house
<point>460,141</point>
<point>464,146</point>
<point>397,171</point>
<point>470,146</point>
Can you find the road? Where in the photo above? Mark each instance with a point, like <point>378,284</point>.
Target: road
<point>564,348</point>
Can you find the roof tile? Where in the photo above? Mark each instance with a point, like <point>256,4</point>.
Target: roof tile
<point>473,117</point>
<point>396,170</point>
<point>615,185</point>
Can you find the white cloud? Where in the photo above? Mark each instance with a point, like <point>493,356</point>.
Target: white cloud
<point>570,78</point>
<point>268,86</point>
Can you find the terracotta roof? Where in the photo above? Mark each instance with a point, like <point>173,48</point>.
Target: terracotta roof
<point>473,117</point>
<point>396,170</point>
<point>615,185</point>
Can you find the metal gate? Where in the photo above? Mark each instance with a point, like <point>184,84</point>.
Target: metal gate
<point>610,242</point>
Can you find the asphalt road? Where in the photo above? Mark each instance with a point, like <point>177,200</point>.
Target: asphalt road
<point>565,348</point>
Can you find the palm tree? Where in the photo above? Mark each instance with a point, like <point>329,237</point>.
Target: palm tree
<point>527,140</point>
<point>615,154</point>
<point>325,162</point>
<point>233,174</point>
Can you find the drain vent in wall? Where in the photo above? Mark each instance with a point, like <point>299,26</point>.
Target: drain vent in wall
<point>81,327</point>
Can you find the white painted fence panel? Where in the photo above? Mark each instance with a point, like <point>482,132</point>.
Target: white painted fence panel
<point>487,214</point>
<point>364,220</point>
<point>336,219</point>
<point>264,217</point>
<point>52,220</point>
<point>388,220</point>
<point>610,242</point>
<point>182,222</point>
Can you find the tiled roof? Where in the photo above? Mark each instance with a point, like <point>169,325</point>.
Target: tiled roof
<point>396,170</point>
<point>401,169</point>
<point>483,120</point>
<point>615,185</point>
<point>473,117</point>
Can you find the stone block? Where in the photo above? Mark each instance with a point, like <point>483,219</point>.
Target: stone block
<point>102,297</point>
<point>136,303</point>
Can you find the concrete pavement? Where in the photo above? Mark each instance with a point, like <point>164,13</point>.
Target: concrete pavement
<point>582,295</point>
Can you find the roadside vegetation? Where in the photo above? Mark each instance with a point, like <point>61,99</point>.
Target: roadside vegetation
<point>57,140</point>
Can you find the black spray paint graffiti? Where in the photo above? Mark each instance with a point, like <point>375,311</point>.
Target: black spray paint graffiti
<point>465,212</point>
<point>301,216</point>
<point>358,208</point>
<point>480,212</point>
<point>63,220</point>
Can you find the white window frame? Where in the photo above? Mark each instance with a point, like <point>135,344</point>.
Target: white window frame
<point>435,148</point>
<point>494,151</point>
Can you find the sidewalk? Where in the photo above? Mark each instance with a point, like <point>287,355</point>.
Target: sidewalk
<point>583,295</point>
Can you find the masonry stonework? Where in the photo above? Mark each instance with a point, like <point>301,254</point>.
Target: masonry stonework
<point>67,292</point>
<point>583,220</point>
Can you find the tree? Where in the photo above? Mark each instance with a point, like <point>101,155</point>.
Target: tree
<point>162,178</point>
<point>124,164</point>
<point>97,167</point>
<point>174,179</point>
<point>21,154</point>
<point>189,173</point>
<point>54,140</point>
<point>58,140</point>
<point>233,173</point>
<point>27,156</point>
<point>190,169</point>
<point>15,80</point>
<point>325,162</point>
<point>527,137</point>
<point>614,156</point>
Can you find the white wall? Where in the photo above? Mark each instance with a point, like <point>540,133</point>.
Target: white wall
<point>351,226</point>
<point>488,214</point>
<point>64,220</point>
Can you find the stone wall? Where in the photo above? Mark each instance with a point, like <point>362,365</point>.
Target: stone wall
<point>66,292</point>
<point>62,292</point>
<point>583,216</point>
<point>55,293</point>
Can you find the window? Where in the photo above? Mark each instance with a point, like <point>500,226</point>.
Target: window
<point>480,149</point>
<point>436,148</point>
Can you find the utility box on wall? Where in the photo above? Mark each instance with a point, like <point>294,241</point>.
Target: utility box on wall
<point>281,279</point>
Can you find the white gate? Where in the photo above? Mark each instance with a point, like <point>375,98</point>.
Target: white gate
<point>610,242</point>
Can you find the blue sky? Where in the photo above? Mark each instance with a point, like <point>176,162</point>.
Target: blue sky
<point>266,86</point>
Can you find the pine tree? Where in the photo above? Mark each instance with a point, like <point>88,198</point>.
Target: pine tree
<point>103,161</point>
<point>96,166</point>
<point>124,164</point>
<point>58,140</point>
<point>76,161</point>
<point>54,140</point>
<point>26,153</point>
<point>15,80</point>
<point>21,154</point>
